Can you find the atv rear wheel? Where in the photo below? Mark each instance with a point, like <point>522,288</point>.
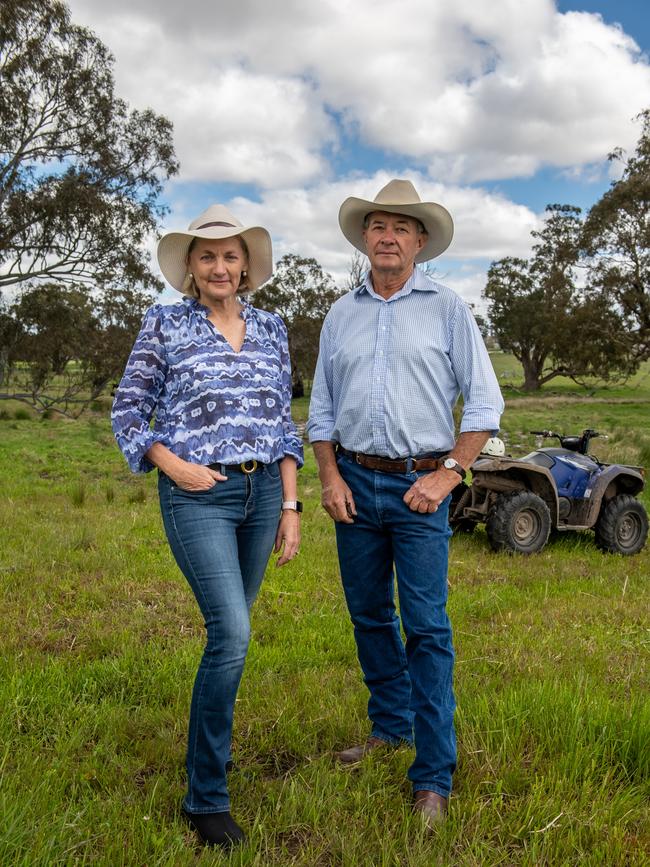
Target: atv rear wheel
<point>622,526</point>
<point>518,522</point>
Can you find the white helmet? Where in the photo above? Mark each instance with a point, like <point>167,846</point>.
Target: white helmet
<point>494,446</point>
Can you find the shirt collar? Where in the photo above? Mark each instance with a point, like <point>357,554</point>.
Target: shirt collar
<point>418,281</point>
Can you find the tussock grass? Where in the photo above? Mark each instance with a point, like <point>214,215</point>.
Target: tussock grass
<point>101,639</point>
<point>78,494</point>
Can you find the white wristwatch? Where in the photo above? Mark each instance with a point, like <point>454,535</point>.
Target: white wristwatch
<point>293,505</point>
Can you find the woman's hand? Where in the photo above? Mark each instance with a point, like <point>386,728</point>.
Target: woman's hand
<point>195,477</point>
<point>287,539</point>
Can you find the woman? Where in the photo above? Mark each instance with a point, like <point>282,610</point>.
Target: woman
<point>215,373</point>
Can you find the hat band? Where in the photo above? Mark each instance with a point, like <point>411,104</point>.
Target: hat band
<point>207,225</point>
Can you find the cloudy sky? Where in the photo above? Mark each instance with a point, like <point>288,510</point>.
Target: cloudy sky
<point>283,108</point>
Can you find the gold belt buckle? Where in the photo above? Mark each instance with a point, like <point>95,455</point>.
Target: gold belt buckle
<point>249,467</point>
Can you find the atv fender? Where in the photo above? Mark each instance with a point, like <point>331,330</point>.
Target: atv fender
<point>502,475</point>
<point>612,481</point>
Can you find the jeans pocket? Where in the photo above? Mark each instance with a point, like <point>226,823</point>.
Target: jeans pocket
<point>273,470</point>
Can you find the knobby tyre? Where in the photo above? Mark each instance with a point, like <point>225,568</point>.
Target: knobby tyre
<point>622,526</point>
<point>519,522</point>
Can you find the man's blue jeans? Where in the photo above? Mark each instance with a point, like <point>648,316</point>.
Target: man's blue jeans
<point>221,539</point>
<point>411,694</point>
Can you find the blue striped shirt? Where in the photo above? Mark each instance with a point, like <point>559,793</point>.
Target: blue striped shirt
<point>389,372</point>
<point>211,404</point>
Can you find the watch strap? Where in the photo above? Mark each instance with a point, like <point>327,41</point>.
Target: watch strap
<point>450,463</point>
<point>291,505</point>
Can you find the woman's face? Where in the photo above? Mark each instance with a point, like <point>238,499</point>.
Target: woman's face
<point>217,266</point>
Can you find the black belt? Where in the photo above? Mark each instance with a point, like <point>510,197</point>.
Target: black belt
<point>391,465</point>
<point>246,467</point>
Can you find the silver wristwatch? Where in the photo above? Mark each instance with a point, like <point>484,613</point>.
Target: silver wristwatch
<point>452,464</point>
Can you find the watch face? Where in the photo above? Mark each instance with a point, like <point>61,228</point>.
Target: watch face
<point>452,464</point>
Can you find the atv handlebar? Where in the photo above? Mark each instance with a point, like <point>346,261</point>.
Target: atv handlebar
<point>573,443</point>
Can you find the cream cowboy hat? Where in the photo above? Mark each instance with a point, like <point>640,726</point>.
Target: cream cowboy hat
<point>215,223</point>
<point>399,197</point>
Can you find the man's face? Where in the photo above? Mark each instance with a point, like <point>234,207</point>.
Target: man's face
<point>392,241</point>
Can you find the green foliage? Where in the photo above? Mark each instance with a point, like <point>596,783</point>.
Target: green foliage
<point>56,323</point>
<point>539,314</point>
<point>102,637</point>
<point>69,345</point>
<point>617,237</point>
<point>302,293</point>
<point>80,174</point>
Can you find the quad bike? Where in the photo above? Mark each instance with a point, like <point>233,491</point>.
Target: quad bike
<point>522,500</point>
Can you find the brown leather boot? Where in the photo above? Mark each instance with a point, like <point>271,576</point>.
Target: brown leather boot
<point>430,805</point>
<point>354,754</point>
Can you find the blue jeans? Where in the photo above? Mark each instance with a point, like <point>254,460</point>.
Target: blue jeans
<point>411,693</point>
<point>221,540</point>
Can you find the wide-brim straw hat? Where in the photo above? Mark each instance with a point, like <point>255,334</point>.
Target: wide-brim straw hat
<point>399,197</point>
<point>215,224</point>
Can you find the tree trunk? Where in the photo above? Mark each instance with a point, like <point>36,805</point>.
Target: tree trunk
<point>532,374</point>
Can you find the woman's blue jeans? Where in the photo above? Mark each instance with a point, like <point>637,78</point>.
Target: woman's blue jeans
<point>411,694</point>
<point>221,539</point>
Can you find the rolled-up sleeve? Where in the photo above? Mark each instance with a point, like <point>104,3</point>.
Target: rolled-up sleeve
<point>482,400</point>
<point>137,394</point>
<point>291,442</point>
<point>320,425</point>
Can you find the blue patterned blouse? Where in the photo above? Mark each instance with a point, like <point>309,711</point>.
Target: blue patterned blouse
<point>211,404</point>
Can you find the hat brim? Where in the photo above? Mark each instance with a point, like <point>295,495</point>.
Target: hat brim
<point>173,247</point>
<point>435,219</point>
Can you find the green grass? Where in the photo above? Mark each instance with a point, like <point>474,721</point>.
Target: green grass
<point>101,639</point>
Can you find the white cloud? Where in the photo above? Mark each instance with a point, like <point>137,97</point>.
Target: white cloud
<point>475,89</point>
<point>461,91</point>
<point>231,123</point>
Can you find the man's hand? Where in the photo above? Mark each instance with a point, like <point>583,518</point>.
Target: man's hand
<point>430,490</point>
<point>337,499</point>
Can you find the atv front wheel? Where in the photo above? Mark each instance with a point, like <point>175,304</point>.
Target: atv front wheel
<point>459,496</point>
<point>622,526</point>
<point>518,522</point>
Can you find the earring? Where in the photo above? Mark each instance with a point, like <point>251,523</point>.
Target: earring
<point>190,275</point>
<point>244,273</point>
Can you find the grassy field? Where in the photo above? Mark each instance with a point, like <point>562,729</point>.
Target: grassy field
<point>101,639</point>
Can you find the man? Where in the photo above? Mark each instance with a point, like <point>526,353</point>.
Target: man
<point>395,354</point>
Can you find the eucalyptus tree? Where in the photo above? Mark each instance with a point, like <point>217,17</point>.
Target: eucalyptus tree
<point>302,293</point>
<point>542,312</point>
<point>616,237</point>
<point>80,173</point>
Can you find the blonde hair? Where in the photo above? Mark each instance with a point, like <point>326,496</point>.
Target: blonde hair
<point>190,288</point>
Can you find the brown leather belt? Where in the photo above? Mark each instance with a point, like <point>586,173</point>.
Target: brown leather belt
<point>390,465</point>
